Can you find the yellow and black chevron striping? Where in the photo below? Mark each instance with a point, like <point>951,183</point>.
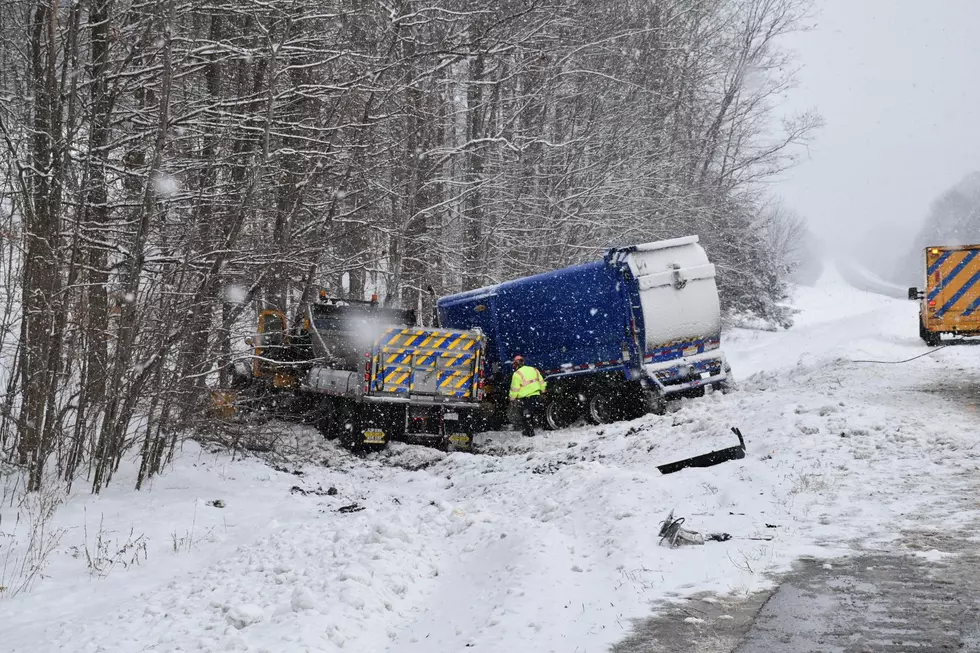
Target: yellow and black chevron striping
<point>415,360</point>
<point>952,293</point>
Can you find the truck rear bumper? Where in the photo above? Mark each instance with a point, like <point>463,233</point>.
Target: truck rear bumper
<point>689,372</point>
<point>420,400</point>
<point>953,330</point>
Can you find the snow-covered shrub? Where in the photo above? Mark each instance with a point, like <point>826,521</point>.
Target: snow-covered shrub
<point>27,536</point>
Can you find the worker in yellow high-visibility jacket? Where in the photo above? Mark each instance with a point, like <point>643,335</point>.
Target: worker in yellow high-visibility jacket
<point>526,387</point>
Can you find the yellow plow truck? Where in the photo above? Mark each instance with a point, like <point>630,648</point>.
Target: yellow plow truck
<point>950,301</point>
<point>365,374</point>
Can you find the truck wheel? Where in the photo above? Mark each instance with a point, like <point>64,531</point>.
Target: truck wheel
<point>631,405</point>
<point>931,339</point>
<point>727,386</point>
<point>560,413</point>
<point>327,420</point>
<point>486,418</point>
<point>655,401</point>
<point>599,408</point>
<point>348,426</point>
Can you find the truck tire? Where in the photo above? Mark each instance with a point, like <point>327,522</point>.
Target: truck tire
<point>727,386</point>
<point>599,408</point>
<point>656,403</point>
<point>349,426</point>
<point>931,339</point>
<point>488,417</point>
<point>327,420</point>
<point>631,404</point>
<point>560,412</point>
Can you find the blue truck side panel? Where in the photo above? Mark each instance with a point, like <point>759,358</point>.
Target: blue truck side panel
<point>579,316</point>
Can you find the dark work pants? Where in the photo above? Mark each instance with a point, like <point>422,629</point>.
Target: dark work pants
<point>529,408</point>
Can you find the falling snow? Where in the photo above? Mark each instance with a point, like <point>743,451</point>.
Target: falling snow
<point>166,185</point>
<point>235,294</point>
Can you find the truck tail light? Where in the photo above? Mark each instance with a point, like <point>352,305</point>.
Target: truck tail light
<point>367,376</point>
<point>479,377</point>
<point>932,303</point>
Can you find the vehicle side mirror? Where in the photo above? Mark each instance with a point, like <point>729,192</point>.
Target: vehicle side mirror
<point>249,341</point>
<point>914,293</point>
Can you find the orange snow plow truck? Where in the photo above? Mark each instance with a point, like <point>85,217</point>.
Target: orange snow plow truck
<point>950,301</point>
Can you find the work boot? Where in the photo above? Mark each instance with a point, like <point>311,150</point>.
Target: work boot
<point>528,429</point>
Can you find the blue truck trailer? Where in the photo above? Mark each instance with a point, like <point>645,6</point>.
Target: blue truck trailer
<point>614,338</point>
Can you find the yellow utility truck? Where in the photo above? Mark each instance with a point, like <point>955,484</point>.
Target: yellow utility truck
<point>365,374</point>
<point>950,300</point>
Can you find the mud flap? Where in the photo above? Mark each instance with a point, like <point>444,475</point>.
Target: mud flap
<point>458,429</point>
<point>708,459</point>
<point>446,430</point>
<point>374,438</point>
<point>363,427</point>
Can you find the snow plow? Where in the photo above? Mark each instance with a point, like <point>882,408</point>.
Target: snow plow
<point>950,300</point>
<point>363,374</point>
<point>614,338</point>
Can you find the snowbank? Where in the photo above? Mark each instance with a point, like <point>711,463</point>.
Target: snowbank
<point>835,322</point>
<point>545,544</point>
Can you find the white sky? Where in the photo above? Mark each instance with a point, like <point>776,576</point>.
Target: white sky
<point>898,85</point>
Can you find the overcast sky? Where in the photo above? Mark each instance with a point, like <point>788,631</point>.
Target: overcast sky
<point>898,85</point>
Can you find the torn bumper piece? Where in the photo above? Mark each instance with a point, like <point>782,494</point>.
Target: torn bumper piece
<point>708,459</point>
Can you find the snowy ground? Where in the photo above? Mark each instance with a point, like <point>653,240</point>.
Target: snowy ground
<point>543,545</point>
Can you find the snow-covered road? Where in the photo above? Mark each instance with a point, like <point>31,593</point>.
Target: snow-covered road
<point>537,545</point>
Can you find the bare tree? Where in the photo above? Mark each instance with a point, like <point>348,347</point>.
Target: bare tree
<point>169,167</point>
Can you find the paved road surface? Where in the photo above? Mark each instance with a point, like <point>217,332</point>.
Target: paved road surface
<point>870,603</point>
<point>862,279</point>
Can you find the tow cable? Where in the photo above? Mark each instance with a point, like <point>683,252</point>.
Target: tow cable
<point>907,360</point>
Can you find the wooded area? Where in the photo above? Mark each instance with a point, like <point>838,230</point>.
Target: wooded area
<point>168,166</point>
<point>953,219</point>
